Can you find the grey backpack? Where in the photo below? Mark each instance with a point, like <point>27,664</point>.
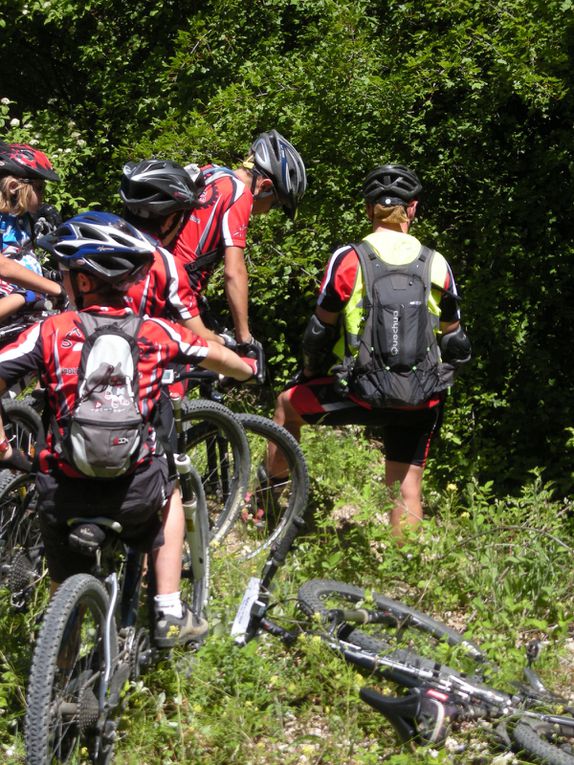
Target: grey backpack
<point>398,362</point>
<point>105,435</point>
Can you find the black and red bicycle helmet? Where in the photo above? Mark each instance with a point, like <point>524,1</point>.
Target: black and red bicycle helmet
<point>24,161</point>
<point>391,185</point>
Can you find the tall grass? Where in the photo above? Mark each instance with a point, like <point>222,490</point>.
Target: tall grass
<point>498,568</point>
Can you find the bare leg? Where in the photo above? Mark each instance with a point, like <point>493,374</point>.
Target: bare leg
<point>286,416</point>
<point>167,558</point>
<point>407,510</point>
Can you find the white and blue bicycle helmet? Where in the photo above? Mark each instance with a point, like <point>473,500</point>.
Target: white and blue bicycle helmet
<point>102,244</point>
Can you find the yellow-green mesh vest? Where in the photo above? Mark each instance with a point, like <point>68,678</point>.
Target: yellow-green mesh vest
<point>396,249</point>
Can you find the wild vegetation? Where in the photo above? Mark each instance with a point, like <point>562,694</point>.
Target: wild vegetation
<point>477,98</point>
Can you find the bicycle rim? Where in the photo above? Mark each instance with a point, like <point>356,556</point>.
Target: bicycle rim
<point>63,712</point>
<point>268,505</point>
<point>22,425</point>
<point>218,448</point>
<point>547,742</point>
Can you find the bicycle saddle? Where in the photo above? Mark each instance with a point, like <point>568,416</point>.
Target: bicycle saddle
<point>420,717</point>
<point>87,535</point>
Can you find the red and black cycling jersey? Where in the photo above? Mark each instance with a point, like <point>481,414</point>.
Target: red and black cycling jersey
<point>164,291</point>
<point>220,220</point>
<point>53,349</point>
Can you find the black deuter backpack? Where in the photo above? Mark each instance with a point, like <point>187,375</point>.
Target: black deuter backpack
<point>398,363</point>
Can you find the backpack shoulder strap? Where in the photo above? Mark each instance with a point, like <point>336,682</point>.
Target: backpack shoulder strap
<point>425,257</point>
<point>370,263</point>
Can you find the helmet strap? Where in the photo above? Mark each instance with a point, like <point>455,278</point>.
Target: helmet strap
<point>168,234</point>
<point>78,297</point>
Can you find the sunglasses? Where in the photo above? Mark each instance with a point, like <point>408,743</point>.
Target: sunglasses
<point>267,194</point>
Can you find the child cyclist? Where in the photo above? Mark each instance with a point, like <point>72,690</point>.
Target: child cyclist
<point>100,255</point>
<point>24,171</point>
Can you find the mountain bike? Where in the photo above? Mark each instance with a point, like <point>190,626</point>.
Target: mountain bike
<point>96,636</point>
<point>248,509</point>
<point>393,642</point>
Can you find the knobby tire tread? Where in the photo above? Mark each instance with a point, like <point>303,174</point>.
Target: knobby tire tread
<point>38,722</point>
<point>528,738</point>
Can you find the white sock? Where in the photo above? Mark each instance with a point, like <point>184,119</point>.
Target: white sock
<point>169,604</point>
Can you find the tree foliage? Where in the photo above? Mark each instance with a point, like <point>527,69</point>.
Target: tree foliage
<point>475,96</point>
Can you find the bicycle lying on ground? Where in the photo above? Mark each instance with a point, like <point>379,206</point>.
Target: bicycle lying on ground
<point>390,641</point>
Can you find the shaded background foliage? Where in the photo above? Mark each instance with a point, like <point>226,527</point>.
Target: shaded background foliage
<point>475,96</point>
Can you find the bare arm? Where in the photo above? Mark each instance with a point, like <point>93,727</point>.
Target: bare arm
<point>10,304</point>
<point>15,273</point>
<point>237,291</point>
<point>197,326</point>
<point>225,362</point>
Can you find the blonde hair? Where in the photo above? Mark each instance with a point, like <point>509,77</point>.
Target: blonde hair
<point>393,216</point>
<point>17,201</point>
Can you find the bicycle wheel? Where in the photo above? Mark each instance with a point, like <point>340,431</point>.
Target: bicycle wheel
<point>218,449</point>
<point>195,587</point>
<point>63,706</point>
<point>21,549</point>
<point>548,742</point>
<point>397,630</point>
<point>269,505</point>
<point>22,424</point>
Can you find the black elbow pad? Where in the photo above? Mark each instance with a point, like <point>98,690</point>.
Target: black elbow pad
<point>455,347</point>
<point>318,340</point>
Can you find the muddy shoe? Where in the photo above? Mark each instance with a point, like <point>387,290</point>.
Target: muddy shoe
<point>171,631</point>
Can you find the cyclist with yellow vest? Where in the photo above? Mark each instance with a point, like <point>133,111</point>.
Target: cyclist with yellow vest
<point>331,341</point>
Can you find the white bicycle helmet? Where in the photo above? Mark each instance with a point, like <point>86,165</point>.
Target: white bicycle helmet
<point>275,158</point>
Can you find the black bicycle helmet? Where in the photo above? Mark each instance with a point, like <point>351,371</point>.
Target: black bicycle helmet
<point>155,188</point>
<point>275,158</point>
<point>25,161</point>
<point>101,244</point>
<point>391,185</point>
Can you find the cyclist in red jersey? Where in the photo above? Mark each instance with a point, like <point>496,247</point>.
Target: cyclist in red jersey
<point>391,193</point>
<point>215,230</point>
<point>163,193</point>
<point>100,255</point>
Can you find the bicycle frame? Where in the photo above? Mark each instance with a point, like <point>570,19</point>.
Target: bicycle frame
<point>468,697</point>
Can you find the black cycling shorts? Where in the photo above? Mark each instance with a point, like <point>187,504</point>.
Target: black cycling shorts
<point>406,433</point>
<point>136,501</point>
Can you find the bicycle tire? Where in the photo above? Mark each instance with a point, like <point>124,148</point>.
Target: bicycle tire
<point>268,507</point>
<point>195,591</point>
<point>21,547</point>
<point>396,616</point>
<point>67,665</point>
<point>22,424</point>
<point>531,736</point>
<point>218,448</point>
